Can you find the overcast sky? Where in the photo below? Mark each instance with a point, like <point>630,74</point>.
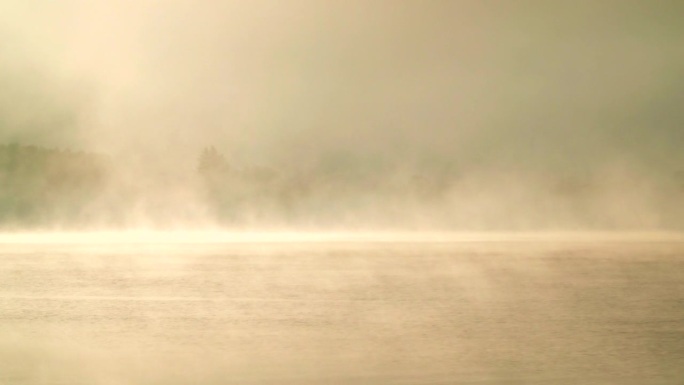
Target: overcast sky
<point>557,85</point>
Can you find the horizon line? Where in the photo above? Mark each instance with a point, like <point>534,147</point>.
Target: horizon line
<point>214,236</point>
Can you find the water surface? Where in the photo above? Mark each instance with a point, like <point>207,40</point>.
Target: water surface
<point>480,312</point>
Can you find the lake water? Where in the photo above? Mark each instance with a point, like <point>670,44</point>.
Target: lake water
<point>509,312</point>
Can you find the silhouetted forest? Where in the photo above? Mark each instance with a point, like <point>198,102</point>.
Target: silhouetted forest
<point>39,185</point>
<point>42,187</point>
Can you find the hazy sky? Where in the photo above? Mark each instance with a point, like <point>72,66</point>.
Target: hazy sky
<point>563,84</point>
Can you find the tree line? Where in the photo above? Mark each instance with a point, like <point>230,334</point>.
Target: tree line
<point>44,186</point>
<point>40,183</point>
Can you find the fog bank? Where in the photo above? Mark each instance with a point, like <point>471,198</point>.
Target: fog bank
<point>391,114</point>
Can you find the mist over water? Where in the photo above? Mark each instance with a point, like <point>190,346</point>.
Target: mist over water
<point>448,115</point>
<point>306,192</point>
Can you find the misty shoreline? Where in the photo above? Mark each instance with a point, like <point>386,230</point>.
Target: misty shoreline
<point>51,189</point>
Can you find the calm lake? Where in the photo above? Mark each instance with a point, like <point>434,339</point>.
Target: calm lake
<point>476,312</point>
